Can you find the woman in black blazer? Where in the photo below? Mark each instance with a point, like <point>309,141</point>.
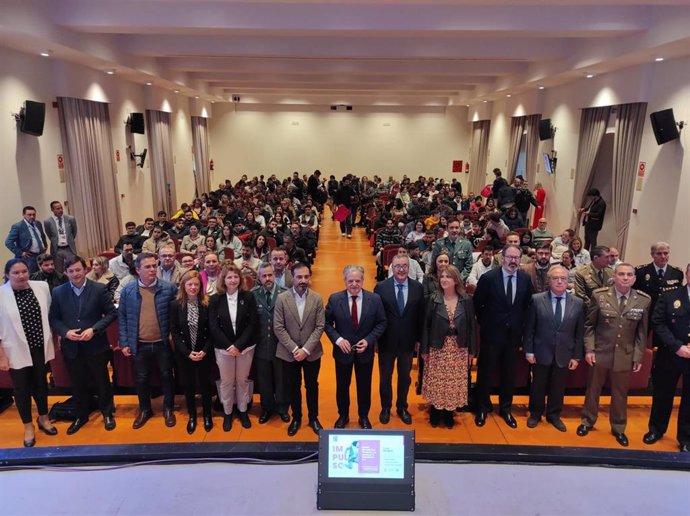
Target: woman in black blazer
<point>189,329</point>
<point>233,319</point>
<point>447,347</point>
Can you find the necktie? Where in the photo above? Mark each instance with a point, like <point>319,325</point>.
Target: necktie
<point>268,298</point>
<point>37,236</point>
<point>600,275</point>
<point>61,228</point>
<point>559,310</point>
<point>660,272</point>
<point>509,290</point>
<point>355,320</point>
<point>400,298</point>
<point>621,304</point>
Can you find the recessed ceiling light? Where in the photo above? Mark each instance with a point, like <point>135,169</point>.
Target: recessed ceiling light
<point>176,91</point>
<point>213,102</point>
<point>149,83</point>
<point>541,87</point>
<point>486,101</point>
<point>508,95</point>
<point>589,75</point>
<point>658,59</point>
<point>47,53</point>
<point>110,71</point>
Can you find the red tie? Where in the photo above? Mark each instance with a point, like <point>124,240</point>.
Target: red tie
<point>355,321</point>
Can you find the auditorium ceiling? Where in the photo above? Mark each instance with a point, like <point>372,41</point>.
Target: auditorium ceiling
<point>400,52</point>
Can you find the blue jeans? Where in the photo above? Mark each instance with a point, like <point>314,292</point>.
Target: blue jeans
<point>164,356</point>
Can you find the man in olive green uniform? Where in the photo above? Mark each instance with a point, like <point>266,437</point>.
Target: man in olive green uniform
<point>596,275</point>
<point>458,248</point>
<point>615,339</point>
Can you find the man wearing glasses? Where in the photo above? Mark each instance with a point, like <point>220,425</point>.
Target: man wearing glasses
<point>169,270</point>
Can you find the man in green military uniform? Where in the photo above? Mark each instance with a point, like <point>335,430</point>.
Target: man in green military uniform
<point>459,249</point>
<point>596,275</point>
<point>615,338</point>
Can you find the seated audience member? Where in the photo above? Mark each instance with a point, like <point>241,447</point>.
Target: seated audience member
<point>513,219</point>
<point>193,240</point>
<point>560,244</point>
<point>539,269</point>
<point>228,240</point>
<point>250,222</point>
<point>580,254</point>
<point>213,229</point>
<point>415,271</point>
<point>417,233</point>
<point>199,257</point>
<point>260,248</point>
<point>163,221</point>
<point>568,263</point>
<point>294,253</point>
<point>46,272</point>
<point>540,233</point>
<point>187,262</point>
<point>210,244</point>
<point>100,273</point>
<point>210,273</point>
<point>484,264</point>
<point>596,275</point>
<point>191,337</point>
<point>122,264</point>
<point>495,223</point>
<point>179,230</point>
<point>431,278</point>
<point>526,243</point>
<point>492,239</point>
<point>156,241</point>
<point>273,232</point>
<point>190,218</point>
<point>614,257</point>
<point>169,270</point>
<point>304,239</point>
<point>180,214</point>
<point>146,228</point>
<point>247,263</point>
<point>283,276</point>
<point>130,237</point>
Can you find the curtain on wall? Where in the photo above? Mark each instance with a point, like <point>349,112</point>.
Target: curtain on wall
<point>202,172</point>
<point>626,152</point>
<point>532,147</point>
<point>91,183</point>
<point>478,156</point>
<point>517,128</point>
<point>593,122</point>
<point>161,156</point>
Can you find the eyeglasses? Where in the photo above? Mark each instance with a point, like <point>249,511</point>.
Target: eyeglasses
<point>511,258</point>
<point>401,266</point>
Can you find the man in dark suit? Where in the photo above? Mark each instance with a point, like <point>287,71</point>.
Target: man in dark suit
<point>26,239</point>
<point>594,217</point>
<point>355,320</point>
<point>500,302</point>
<point>554,343</point>
<point>269,368</point>
<point>61,230</point>
<point>80,312</point>
<point>403,301</point>
<point>671,324</point>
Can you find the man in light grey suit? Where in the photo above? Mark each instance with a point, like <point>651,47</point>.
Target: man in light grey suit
<point>554,344</point>
<point>61,230</point>
<point>298,322</point>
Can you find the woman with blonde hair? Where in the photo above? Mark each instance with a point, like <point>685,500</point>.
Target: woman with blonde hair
<point>100,273</point>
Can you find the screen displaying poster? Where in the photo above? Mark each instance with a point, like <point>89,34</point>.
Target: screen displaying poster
<point>370,456</point>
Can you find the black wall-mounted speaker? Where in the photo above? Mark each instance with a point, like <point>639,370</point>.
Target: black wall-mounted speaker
<point>545,129</point>
<point>136,123</point>
<point>664,126</point>
<point>31,117</point>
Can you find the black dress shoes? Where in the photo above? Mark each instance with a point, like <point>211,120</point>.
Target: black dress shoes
<point>191,425</point>
<point>244,419</point>
<point>364,423</point>
<point>341,422</point>
<point>684,447</point>
<point>264,417</point>
<point>621,439</point>
<point>651,437</point>
<point>284,417</point>
<point>448,418</point>
<point>227,422</point>
<point>582,430</point>
<point>315,425</point>
<point>48,431</point>
<point>109,423</point>
<point>208,422</point>
<point>480,418</point>
<point>294,426</point>
<point>76,425</point>
<point>532,422</point>
<point>558,424</point>
<point>385,416</point>
<point>434,416</point>
<point>170,419</point>
<point>29,443</point>
<point>141,419</point>
<point>508,418</point>
<point>405,416</point>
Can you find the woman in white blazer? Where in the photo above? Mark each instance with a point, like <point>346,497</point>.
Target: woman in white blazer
<point>26,344</point>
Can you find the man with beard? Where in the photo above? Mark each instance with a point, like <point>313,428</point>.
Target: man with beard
<point>539,269</point>
<point>47,272</point>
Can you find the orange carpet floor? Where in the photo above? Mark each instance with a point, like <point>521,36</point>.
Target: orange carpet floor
<point>334,253</point>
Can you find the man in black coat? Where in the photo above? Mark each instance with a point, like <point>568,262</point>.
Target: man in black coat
<point>594,217</point>
<point>80,312</point>
<point>671,324</point>
<point>403,301</point>
<point>659,276</point>
<point>500,302</point>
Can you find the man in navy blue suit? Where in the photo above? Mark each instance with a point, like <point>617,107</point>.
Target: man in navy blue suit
<point>26,238</point>
<point>355,319</point>
<point>80,312</point>
<point>500,302</point>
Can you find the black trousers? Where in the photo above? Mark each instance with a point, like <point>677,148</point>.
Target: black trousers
<point>492,355</point>
<point>343,378</point>
<point>80,368</point>
<point>162,353</point>
<point>197,372</point>
<point>31,381</point>
<point>346,225</point>
<point>293,376</point>
<point>547,379</point>
<point>271,377</point>
<point>665,377</point>
<point>387,361</point>
<point>590,238</point>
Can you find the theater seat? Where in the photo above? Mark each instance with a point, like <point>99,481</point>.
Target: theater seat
<point>58,368</point>
<point>5,380</point>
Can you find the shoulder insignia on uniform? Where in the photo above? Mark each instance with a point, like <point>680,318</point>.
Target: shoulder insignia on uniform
<point>640,267</point>
<point>601,289</point>
<point>675,268</point>
<point>643,294</point>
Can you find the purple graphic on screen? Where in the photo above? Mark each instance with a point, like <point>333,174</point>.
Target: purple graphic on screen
<point>369,456</point>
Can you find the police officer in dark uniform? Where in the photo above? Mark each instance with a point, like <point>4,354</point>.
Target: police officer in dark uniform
<point>615,339</point>
<point>659,276</point>
<point>671,324</point>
